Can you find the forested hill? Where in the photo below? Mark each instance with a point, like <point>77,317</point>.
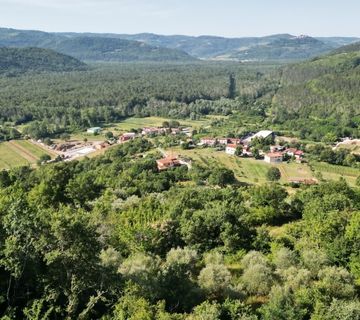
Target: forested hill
<point>323,87</point>
<point>279,46</point>
<point>354,47</point>
<point>110,49</point>
<point>20,60</point>
<point>296,48</point>
<point>91,48</point>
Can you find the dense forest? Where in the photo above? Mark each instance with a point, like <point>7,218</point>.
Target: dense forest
<point>113,238</point>
<point>15,61</point>
<point>111,92</point>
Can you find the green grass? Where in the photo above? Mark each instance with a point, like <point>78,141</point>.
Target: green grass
<point>10,158</point>
<point>33,149</point>
<point>333,172</point>
<point>135,123</point>
<point>246,170</point>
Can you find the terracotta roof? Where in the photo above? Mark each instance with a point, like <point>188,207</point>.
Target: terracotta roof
<point>274,154</point>
<point>232,146</point>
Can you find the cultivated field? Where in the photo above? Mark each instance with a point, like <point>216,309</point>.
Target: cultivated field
<point>19,153</point>
<point>332,172</point>
<point>246,170</point>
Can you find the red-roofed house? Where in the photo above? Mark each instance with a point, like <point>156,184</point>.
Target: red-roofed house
<point>231,149</point>
<point>208,141</point>
<point>166,163</point>
<point>274,157</point>
<point>127,136</point>
<point>234,141</point>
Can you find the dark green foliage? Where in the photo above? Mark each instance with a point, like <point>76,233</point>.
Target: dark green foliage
<point>273,174</point>
<point>15,61</point>
<point>221,177</point>
<point>232,87</point>
<point>109,93</point>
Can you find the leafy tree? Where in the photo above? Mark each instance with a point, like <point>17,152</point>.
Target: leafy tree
<point>258,275</point>
<point>215,280</point>
<point>273,174</point>
<point>221,177</point>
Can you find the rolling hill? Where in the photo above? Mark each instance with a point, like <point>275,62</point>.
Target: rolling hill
<point>324,86</point>
<point>110,49</point>
<point>91,48</point>
<point>15,61</point>
<point>273,47</point>
<point>294,48</point>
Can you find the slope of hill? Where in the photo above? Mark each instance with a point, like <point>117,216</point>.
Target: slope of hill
<point>274,47</point>
<point>110,49</point>
<point>354,47</point>
<point>295,48</point>
<point>20,60</point>
<point>204,47</point>
<point>322,87</point>
<point>91,48</point>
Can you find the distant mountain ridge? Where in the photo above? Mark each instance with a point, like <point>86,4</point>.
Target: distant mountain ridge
<point>183,48</point>
<point>91,48</point>
<point>14,61</point>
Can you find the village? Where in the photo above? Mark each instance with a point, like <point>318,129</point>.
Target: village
<point>247,147</point>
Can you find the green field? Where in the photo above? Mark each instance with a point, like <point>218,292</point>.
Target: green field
<point>246,169</point>
<point>35,150</point>
<point>333,172</point>
<point>19,153</point>
<point>10,158</point>
<point>135,123</point>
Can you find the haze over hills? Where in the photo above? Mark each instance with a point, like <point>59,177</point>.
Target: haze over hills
<point>91,48</point>
<point>153,47</point>
<point>15,61</point>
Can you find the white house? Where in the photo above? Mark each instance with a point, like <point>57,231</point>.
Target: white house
<point>94,130</point>
<point>273,157</point>
<point>231,149</point>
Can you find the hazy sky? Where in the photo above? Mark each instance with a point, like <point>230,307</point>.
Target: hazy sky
<point>191,17</point>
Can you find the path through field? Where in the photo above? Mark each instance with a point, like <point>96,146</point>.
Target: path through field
<point>22,151</point>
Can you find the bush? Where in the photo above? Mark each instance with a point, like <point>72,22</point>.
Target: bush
<point>273,174</point>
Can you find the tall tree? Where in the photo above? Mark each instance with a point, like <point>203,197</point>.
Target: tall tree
<point>232,87</point>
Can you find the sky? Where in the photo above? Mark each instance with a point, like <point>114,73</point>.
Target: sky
<point>231,18</point>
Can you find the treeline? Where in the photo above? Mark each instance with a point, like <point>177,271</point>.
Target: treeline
<point>16,61</point>
<point>113,238</point>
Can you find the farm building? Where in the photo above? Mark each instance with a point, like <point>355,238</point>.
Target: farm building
<point>273,157</point>
<point>231,149</point>
<point>94,130</point>
<point>127,136</point>
<point>152,131</point>
<point>208,141</point>
<point>234,140</point>
<point>167,163</point>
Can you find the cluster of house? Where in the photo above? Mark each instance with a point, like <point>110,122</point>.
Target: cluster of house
<point>276,155</point>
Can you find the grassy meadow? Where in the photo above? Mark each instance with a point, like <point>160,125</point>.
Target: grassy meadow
<point>20,153</point>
